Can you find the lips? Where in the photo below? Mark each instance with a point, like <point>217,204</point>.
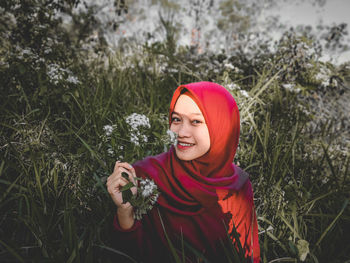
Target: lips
<point>184,145</point>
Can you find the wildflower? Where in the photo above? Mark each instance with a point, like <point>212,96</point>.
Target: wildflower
<point>325,83</point>
<point>27,52</point>
<point>172,136</point>
<point>145,197</point>
<point>135,122</point>
<point>73,79</point>
<point>245,93</point>
<point>47,50</point>
<point>147,188</point>
<point>110,151</point>
<point>56,74</point>
<point>325,180</point>
<point>108,130</point>
<point>233,86</point>
<point>288,86</point>
<point>229,65</point>
<point>291,87</point>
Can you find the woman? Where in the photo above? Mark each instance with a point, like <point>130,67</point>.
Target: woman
<point>203,194</point>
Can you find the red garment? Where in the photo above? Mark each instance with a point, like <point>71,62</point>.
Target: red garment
<point>199,197</point>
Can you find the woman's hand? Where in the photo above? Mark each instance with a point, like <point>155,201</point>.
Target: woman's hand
<point>116,181</point>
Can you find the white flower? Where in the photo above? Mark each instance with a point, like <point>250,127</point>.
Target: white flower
<point>172,136</point>
<point>56,74</point>
<point>136,121</point>
<point>325,180</point>
<point>325,83</point>
<point>288,86</point>
<point>233,86</point>
<point>135,138</point>
<point>47,50</point>
<point>110,151</point>
<point>108,130</point>
<point>73,79</point>
<point>26,52</point>
<point>245,93</point>
<point>291,87</point>
<point>146,197</point>
<point>229,65</point>
<point>147,188</point>
<point>147,191</point>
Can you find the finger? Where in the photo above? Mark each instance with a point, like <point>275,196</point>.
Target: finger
<point>116,185</point>
<point>126,166</point>
<point>117,176</point>
<point>123,170</point>
<point>121,182</point>
<point>130,169</point>
<point>113,176</point>
<point>117,171</point>
<point>116,166</point>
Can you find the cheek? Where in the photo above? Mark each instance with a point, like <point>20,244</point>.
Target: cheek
<point>173,128</point>
<point>205,138</point>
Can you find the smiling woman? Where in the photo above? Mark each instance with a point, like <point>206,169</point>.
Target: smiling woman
<point>204,197</point>
<point>188,122</point>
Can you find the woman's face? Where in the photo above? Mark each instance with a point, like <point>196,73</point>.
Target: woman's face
<point>189,124</point>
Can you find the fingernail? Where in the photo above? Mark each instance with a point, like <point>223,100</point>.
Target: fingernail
<point>130,165</point>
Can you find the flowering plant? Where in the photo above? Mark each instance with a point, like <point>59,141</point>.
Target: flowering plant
<point>145,197</point>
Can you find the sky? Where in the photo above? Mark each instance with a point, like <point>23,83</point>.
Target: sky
<point>333,12</point>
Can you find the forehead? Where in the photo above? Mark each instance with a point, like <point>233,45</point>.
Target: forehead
<point>186,105</point>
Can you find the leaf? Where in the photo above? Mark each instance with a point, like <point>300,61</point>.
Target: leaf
<point>127,186</point>
<point>126,192</point>
<point>125,175</point>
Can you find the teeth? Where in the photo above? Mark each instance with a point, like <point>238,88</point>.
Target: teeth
<point>185,144</point>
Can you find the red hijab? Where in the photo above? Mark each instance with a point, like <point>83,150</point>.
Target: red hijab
<point>188,187</point>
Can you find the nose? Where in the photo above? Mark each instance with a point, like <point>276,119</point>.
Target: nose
<point>184,130</point>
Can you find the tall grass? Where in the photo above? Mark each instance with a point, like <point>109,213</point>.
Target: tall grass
<point>55,158</point>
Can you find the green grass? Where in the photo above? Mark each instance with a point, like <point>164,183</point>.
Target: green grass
<point>54,161</point>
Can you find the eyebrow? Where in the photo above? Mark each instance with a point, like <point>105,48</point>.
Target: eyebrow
<point>198,114</point>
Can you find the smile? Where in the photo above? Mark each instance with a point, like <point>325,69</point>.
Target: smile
<point>183,146</point>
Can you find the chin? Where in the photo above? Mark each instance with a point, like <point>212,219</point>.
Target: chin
<point>183,157</point>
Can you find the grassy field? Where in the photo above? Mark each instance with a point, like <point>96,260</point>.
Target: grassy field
<point>61,133</point>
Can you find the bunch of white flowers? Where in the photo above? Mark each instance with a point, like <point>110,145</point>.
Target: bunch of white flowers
<point>136,121</point>
<point>56,74</point>
<point>145,197</point>
<point>291,87</point>
<point>172,136</point>
<point>232,86</point>
<point>108,129</point>
<point>147,187</point>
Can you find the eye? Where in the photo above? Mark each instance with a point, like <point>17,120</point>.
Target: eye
<point>175,119</point>
<point>196,122</point>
